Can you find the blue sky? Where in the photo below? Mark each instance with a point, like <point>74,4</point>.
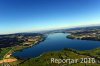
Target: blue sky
<point>35,15</point>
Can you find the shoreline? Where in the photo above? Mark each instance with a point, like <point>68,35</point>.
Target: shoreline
<point>22,48</point>
<point>9,58</point>
<point>48,55</point>
<point>77,38</point>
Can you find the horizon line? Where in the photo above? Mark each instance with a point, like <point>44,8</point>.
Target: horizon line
<point>37,31</point>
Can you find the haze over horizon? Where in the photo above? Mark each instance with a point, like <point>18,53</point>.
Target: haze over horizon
<point>36,15</point>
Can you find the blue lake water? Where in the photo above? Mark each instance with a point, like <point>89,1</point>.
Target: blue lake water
<point>55,42</point>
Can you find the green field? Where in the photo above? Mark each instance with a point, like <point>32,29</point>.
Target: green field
<point>45,59</point>
<point>3,52</point>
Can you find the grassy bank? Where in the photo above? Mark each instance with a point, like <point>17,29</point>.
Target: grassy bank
<point>45,59</point>
<point>3,52</point>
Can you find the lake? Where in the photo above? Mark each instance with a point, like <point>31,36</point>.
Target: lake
<point>55,42</point>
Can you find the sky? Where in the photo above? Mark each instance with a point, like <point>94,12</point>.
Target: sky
<point>36,15</point>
